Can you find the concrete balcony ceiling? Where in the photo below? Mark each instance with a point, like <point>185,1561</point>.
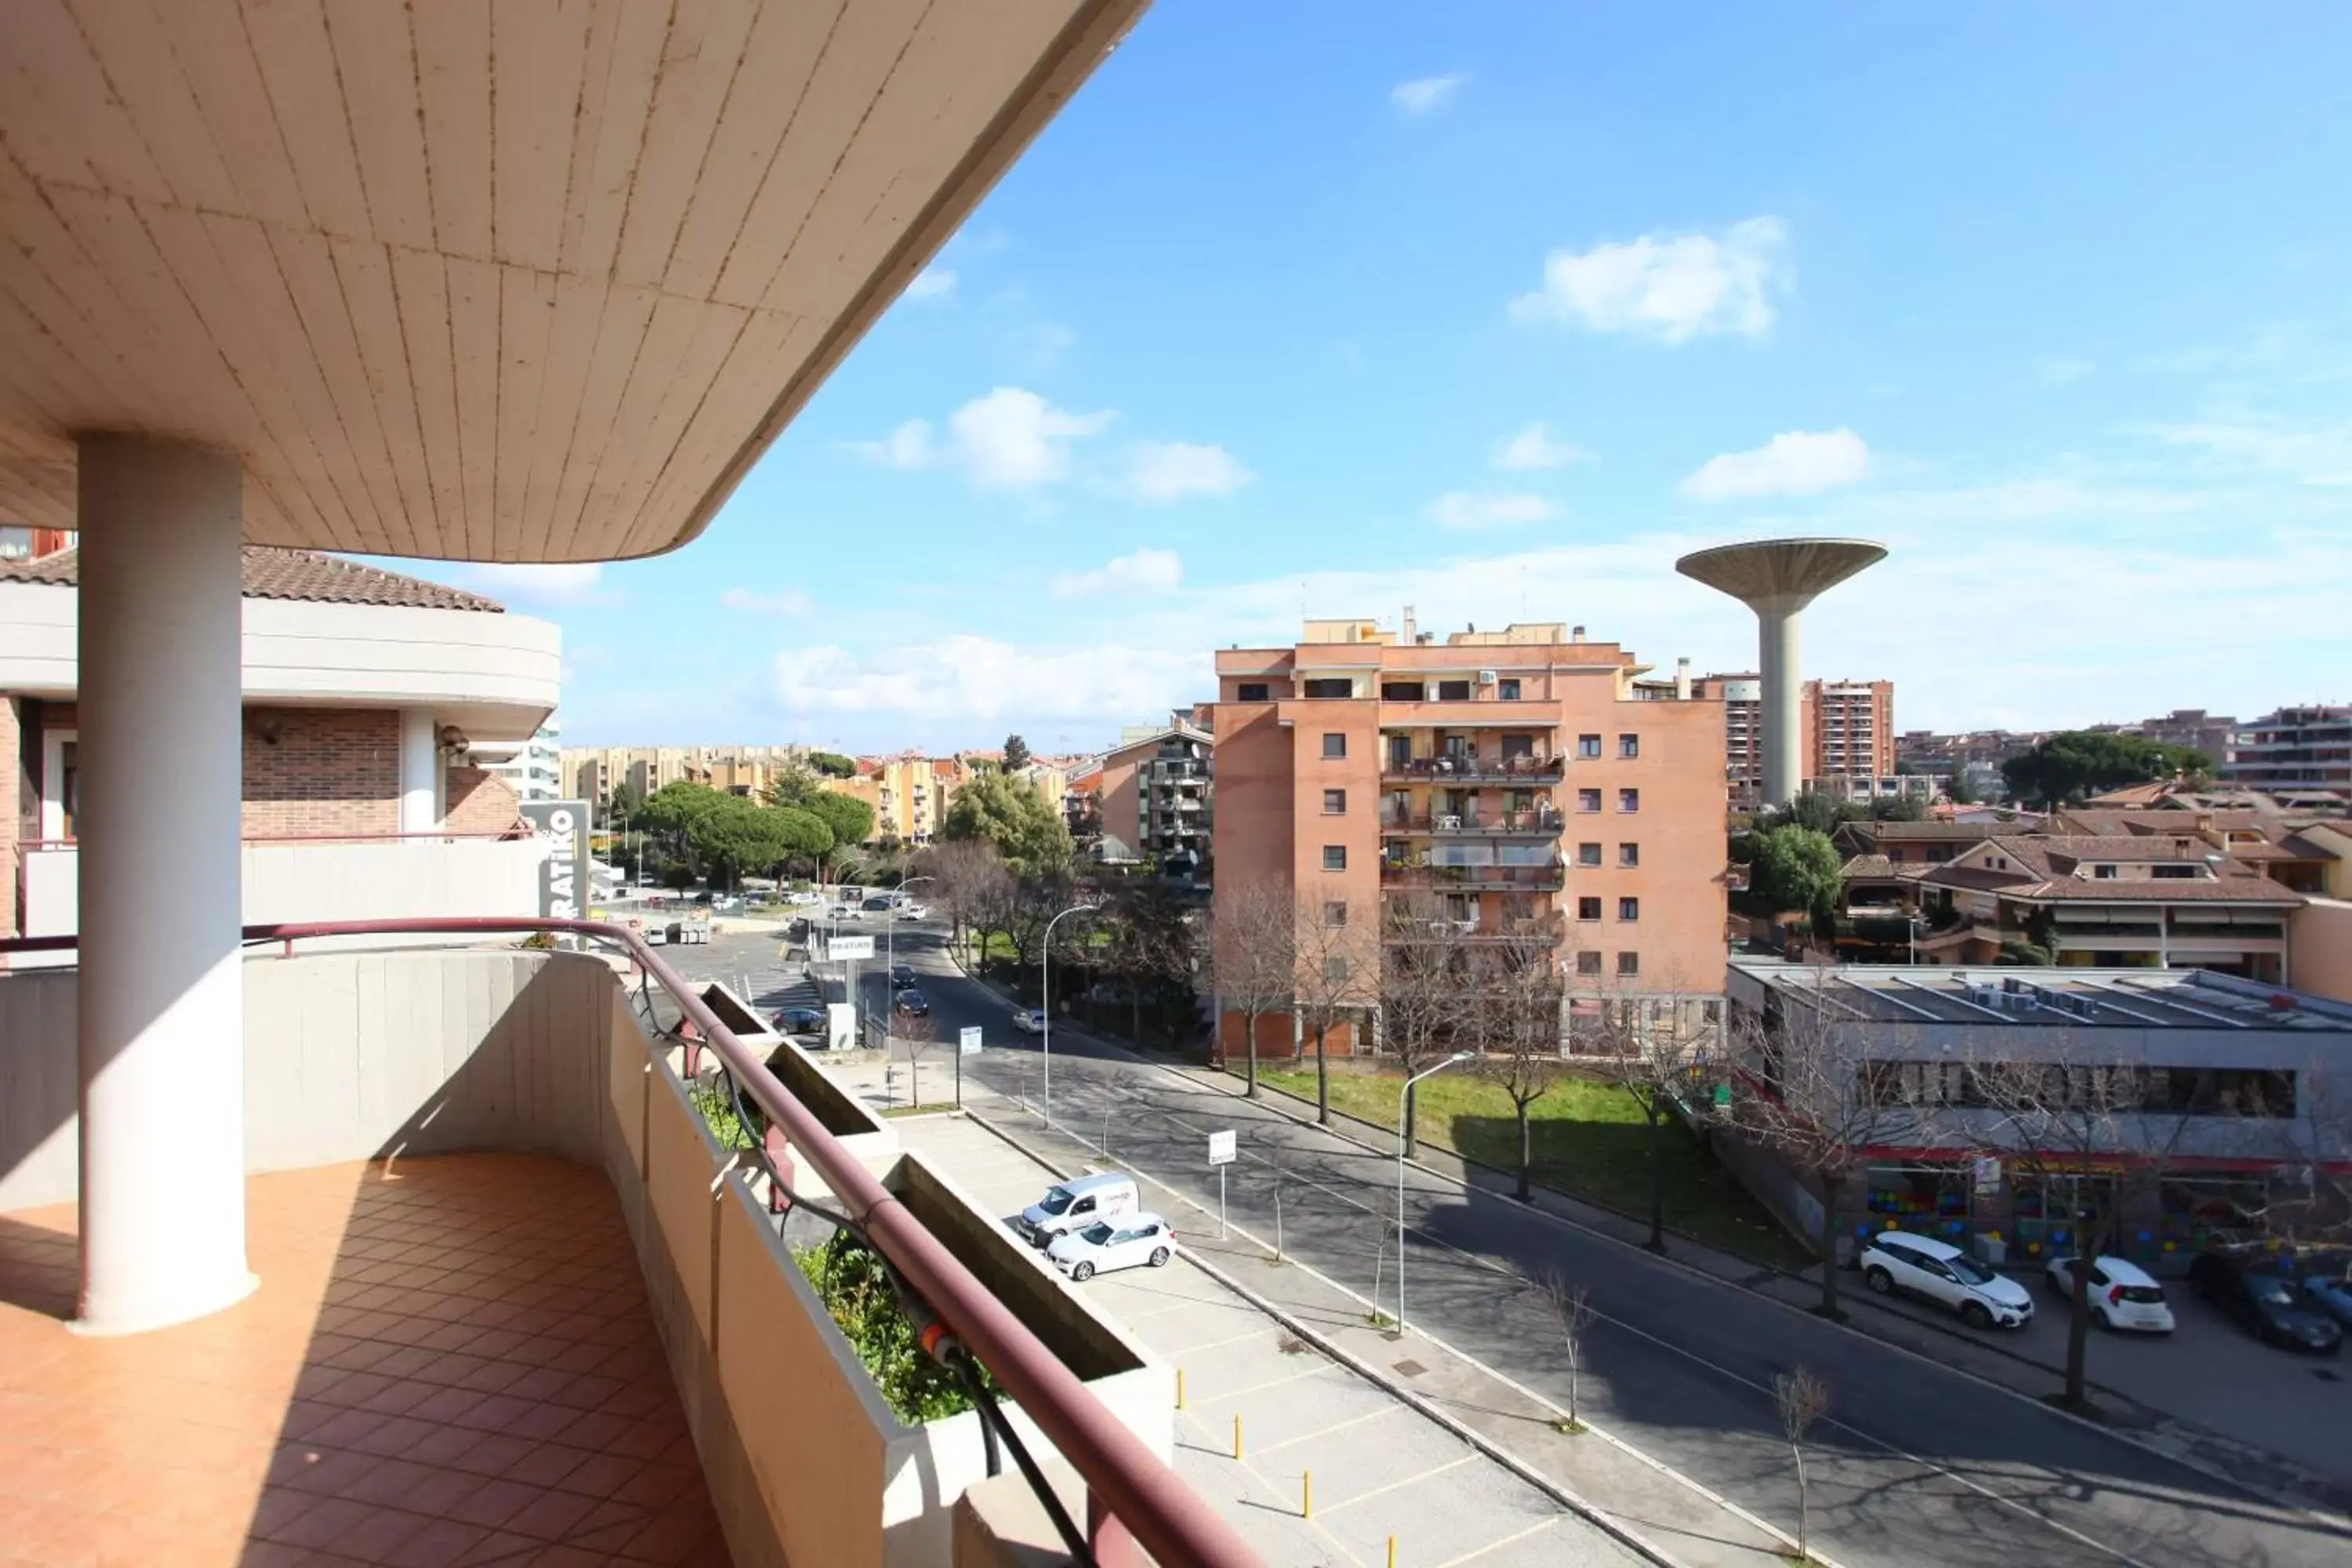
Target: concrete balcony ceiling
<point>522,281</point>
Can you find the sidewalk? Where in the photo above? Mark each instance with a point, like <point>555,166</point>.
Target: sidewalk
<point>1422,1443</point>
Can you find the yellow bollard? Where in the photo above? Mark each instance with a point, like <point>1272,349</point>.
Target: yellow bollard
<point>1307,1494</point>
<point>1391,1551</point>
<point>1237,1434</point>
<point>1180,1388</point>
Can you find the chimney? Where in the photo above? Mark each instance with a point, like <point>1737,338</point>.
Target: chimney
<point>1682,680</point>
<point>1576,633</point>
<point>1408,638</point>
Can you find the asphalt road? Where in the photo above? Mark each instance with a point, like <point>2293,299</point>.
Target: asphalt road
<point>1915,1464</point>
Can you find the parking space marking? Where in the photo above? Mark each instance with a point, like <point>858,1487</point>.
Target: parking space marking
<point>1388,1409</point>
<point>1535,1528</point>
<point>1235,1340</point>
<point>1469,1455</point>
<point>1272,1383</point>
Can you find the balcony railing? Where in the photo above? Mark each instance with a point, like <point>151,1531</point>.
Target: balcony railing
<point>1474,769</point>
<point>1548,929</point>
<point>1130,1491</point>
<point>1495,824</point>
<point>1471,878</point>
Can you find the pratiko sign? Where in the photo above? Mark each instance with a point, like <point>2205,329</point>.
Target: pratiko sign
<point>563,880</point>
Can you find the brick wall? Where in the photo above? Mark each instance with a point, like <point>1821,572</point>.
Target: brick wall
<point>479,803</point>
<point>317,772</point>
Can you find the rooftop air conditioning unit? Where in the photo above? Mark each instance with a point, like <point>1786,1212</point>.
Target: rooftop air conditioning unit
<point>1486,678</point>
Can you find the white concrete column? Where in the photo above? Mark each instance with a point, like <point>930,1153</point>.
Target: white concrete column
<point>160,997</point>
<point>1782,707</point>
<point>420,771</point>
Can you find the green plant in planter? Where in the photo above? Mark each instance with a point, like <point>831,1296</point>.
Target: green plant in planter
<point>716,1107</point>
<point>855,1288</point>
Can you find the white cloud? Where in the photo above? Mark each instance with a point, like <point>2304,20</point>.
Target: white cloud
<point>566,582</point>
<point>1672,288</point>
<point>2317,455</point>
<point>1164,471</point>
<point>960,679</point>
<point>931,283</point>
<point>908,446</point>
<point>1146,571</point>
<point>1792,463</point>
<point>1425,95</point>
<point>1008,440</point>
<point>786,602</point>
<point>1536,448</point>
<point>1462,510</point>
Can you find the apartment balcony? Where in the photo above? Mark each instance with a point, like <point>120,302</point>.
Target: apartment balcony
<point>1472,879</point>
<point>1548,931</point>
<point>517,1301</point>
<point>1472,824</point>
<point>1476,713</point>
<point>1476,769</point>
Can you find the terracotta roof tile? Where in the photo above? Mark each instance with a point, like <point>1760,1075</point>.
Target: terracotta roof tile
<point>303,574</point>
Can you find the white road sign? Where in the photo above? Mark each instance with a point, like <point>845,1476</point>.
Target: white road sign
<point>1987,1173</point>
<point>968,1040</point>
<point>1221,1148</point>
<point>850,947</point>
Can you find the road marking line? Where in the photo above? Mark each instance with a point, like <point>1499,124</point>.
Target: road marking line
<point>1259,1387</point>
<point>1411,1480</point>
<point>1534,1529</point>
<point>1388,1407</point>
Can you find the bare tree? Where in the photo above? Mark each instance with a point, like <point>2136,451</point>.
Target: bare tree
<point>1253,958</point>
<point>2309,1199</point>
<point>1655,1058</point>
<point>2054,1117</point>
<point>1571,1313</point>
<point>1337,978</point>
<point>1803,1399</point>
<point>1513,1015</point>
<point>1423,985</point>
<point>917,1036</point>
<point>963,873</point>
<point>1809,1098</point>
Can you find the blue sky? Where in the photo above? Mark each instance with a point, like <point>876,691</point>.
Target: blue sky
<point>1494,310</point>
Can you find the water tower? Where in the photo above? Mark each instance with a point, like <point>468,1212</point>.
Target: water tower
<point>1777,578</point>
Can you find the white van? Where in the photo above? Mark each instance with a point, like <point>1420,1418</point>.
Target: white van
<point>1076,1204</point>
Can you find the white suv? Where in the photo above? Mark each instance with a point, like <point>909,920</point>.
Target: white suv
<point>1922,1265</point>
<point>2122,1295</point>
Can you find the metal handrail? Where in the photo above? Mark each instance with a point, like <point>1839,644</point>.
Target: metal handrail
<point>1143,1494</point>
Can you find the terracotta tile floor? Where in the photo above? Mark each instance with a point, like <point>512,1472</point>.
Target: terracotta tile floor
<point>450,1363</point>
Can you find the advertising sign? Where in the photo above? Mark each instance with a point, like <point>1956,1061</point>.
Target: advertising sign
<point>850,947</point>
<point>968,1040</point>
<point>563,880</point>
<point>1221,1148</point>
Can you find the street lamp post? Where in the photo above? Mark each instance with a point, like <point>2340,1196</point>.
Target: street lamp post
<point>891,958</point>
<point>1403,1089</point>
<point>1046,963</point>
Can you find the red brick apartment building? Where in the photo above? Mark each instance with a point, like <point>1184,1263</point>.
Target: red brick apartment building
<point>1515,775</point>
<point>1848,742</point>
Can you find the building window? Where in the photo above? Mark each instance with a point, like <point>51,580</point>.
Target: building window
<point>1335,802</point>
<point>1335,745</point>
<point>1588,854</point>
<point>1629,745</point>
<point>2175,871</point>
<point>1588,908</point>
<point>1453,691</point>
<point>1250,692</point>
<point>1629,963</point>
<point>1507,690</point>
<point>1588,800</point>
<point>1335,688</point>
<point>1588,745</point>
<point>1518,746</point>
<point>1588,963</point>
<point>1402,691</point>
<point>1334,913</point>
<point>1629,855</point>
<point>1335,857</point>
<point>2103,871</point>
<point>1629,800</point>
<point>1629,909</point>
<point>1335,971</point>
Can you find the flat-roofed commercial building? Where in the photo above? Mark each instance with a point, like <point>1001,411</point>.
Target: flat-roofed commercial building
<point>2213,1097</point>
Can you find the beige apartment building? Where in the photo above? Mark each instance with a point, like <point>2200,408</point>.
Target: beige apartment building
<point>1154,794</point>
<point>1848,735</point>
<point>1513,778</point>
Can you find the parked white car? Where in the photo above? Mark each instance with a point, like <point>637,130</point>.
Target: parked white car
<point>908,911</point>
<point>1921,1265</point>
<point>1134,1240</point>
<point>1029,1020</point>
<point>2124,1296</point>
<point>845,912</point>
